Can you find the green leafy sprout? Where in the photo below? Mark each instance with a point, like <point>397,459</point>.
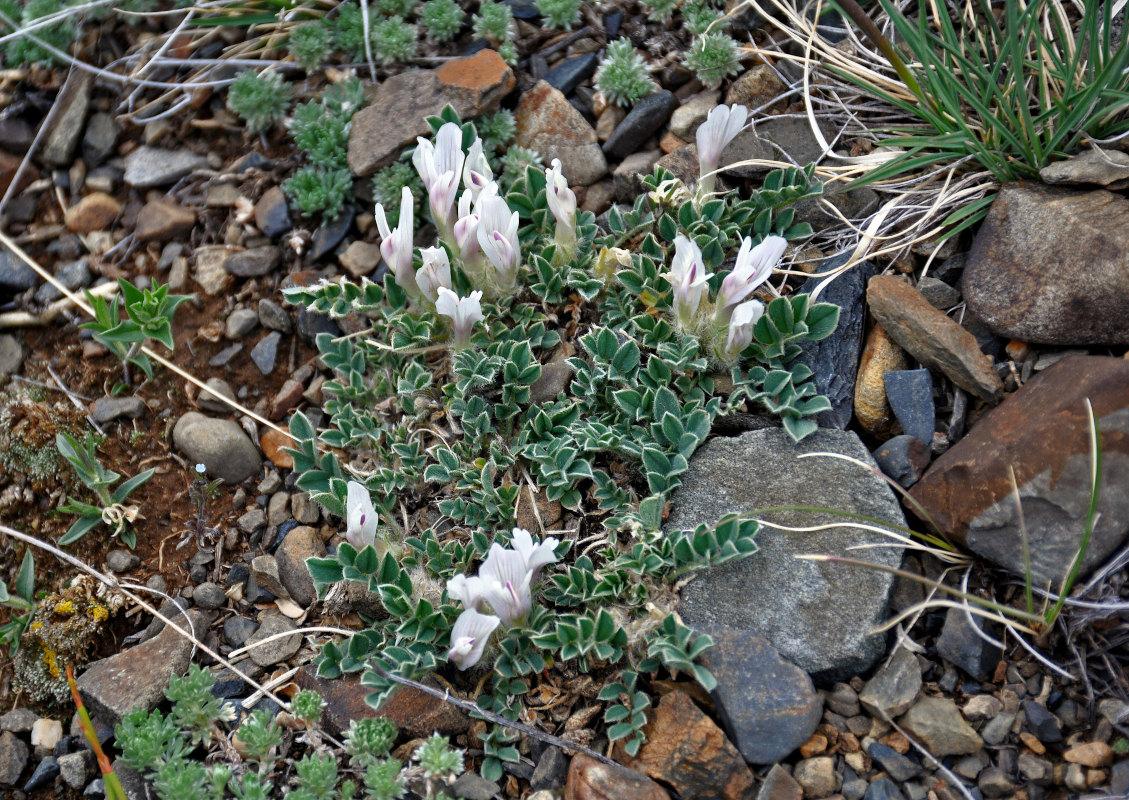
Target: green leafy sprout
<point>622,76</point>
<point>22,598</point>
<point>259,98</point>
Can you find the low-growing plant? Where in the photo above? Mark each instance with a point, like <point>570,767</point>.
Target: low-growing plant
<point>388,186</point>
<point>259,98</point>
<point>393,40</point>
<point>21,599</point>
<point>559,13</point>
<point>623,77</point>
<point>442,19</point>
<point>322,136</point>
<point>494,22</point>
<point>659,10</point>
<point>713,57</point>
<point>396,8</point>
<point>310,44</point>
<point>22,50</point>
<point>497,130</point>
<point>349,31</point>
<point>319,191</point>
<point>111,510</point>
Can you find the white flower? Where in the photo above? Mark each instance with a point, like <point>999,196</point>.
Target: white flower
<point>507,584</point>
<point>440,166</point>
<point>396,245</point>
<point>469,636</point>
<point>688,276</point>
<point>477,174</point>
<point>463,311</point>
<point>434,272</point>
<point>562,203</point>
<point>745,316</point>
<point>360,516</point>
<point>535,556</point>
<point>468,591</point>
<point>497,236</point>
<point>719,129</point>
<point>754,266</point>
<point>466,227</point>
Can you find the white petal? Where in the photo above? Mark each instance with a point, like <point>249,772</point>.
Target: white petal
<point>469,636</point>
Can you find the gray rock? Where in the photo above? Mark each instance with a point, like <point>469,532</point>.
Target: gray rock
<point>1118,777</point>
<point>15,275</point>
<point>897,766</point>
<point>265,352</point>
<point>938,293</point>
<point>793,135</point>
<point>236,630</point>
<point>12,355</point>
<point>210,401</point>
<point>18,720</point>
<point>744,147</point>
<point>121,560</point>
<point>305,510</point>
<point>685,119</point>
<point>842,700</point>
<point>72,104</point>
<point>853,204</point>
<point>45,772</point>
<point>274,317</point>
<point>937,722</point>
<point>75,769</point>
<point>961,646</point>
<point>817,616</point>
<point>220,444</point>
<point>780,785</point>
<point>252,522</point>
<point>550,771</point>
<point>254,262</point>
<point>767,706</point>
<point>279,649</point>
<point>299,544</point>
<point>994,782</point>
<point>135,786</point>
<point>152,166</point>
<point>100,139</point>
<point>111,408</point>
<point>311,323</point>
<point>1108,168</point>
<point>1023,281</point>
<point>834,360</point>
<point>555,377</point>
<point>264,571</point>
<point>645,118</point>
<point>903,458</point>
<point>209,596</point>
<point>893,688</point>
<point>330,234</point>
<point>628,176</point>
<point>272,215</point>
<point>567,75</point>
<point>472,786</point>
<point>910,394</point>
<point>882,788</point>
<point>72,274</point>
<point>817,776</point>
<point>1041,722</point>
<point>241,322</point>
<point>137,677</point>
<point>13,758</point>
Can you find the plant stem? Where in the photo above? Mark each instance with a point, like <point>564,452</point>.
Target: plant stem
<point>866,24</point>
<point>114,790</point>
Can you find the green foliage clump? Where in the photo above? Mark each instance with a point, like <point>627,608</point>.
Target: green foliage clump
<point>659,10</point>
<point>713,57</point>
<point>322,136</point>
<point>559,13</point>
<point>388,185</point>
<point>515,162</point>
<point>494,22</point>
<point>60,35</point>
<point>497,130</point>
<point>349,31</point>
<point>20,599</point>
<point>623,77</point>
<point>319,190</point>
<point>261,99</point>
<point>395,8</point>
<point>698,16</point>
<point>309,44</point>
<point>442,19</point>
<point>393,41</point>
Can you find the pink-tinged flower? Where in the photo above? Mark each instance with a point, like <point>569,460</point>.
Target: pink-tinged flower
<point>434,272</point>
<point>440,166</point>
<point>535,556</point>
<point>469,636</point>
<point>477,174</point>
<point>562,203</point>
<point>468,591</point>
<point>497,236</point>
<point>466,228</point>
<point>360,516</point>
<point>688,276</point>
<point>720,128</point>
<point>754,266</point>
<point>463,311</point>
<point>506,584</point>
<point>396,245</point>
<point>745,316</point>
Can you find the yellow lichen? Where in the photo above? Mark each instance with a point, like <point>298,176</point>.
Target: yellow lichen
<point>49,659</point>
<point>64,608</point>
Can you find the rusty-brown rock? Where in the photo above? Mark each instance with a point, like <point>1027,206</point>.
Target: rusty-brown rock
<point>415,713</point>
<point>95,212</point>
<point>687,750</point>
<point>931,337</point>
<point>589,779</point>
<point>1042,433</point>
<point>397,114</point>
<point>162,220</point>
<point>1049,265</point>
<point>879,356</point>
<point>547,122</point>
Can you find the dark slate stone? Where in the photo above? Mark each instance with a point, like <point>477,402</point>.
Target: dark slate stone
<point>903,458</point>
<point>283,529</point>
<point>272,213</point>
<point>45,773</point>
<point>253,160</point>
<point>100,138</point>
<point>611,24</point>
<point>645,119</point>
<point>523,9</point>
<point>1041,722</point>
<point>311,323</point>
<point>883,789</point>
<point>329,235</point>
<point>1119,779</point>
<point>236,630</point>
<point>223,356</point>
<point>960,645</point>
<point>899,767</point>
<point>256,593</point>
<point>265,352</point>
<point>238,573</point>
<point>254,262</point>
<point>951,269</point>
<point>550,771</point>
<point>227,683</point>
<point>835,360</point>
<point>472,786</point>
<point>15,275</point>
<point>910,392</point>
<point>73,274</point>
<point>567,75</point>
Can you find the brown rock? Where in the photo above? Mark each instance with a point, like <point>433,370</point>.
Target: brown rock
<point>683,164</point>
<point>589,779</point>
<point>756,87</point>
<point>814,746</point>
<point>1091,754</point>
<point>669,143</point>
<point>685,749</point>
<point>287,399</point>
<point>301,543</point>
<point>209,271</point>
<point>397,114</point>
<point>1045,268</point>
<point>9,164</point>
<point>162,220</point>
<point>628,176</point>
<point>779,785</point>
<point>95,212</point>
<point>931,337</point>
<point>608,121</point>
<point>817,776</point>
<point>879,356</point>
<point>360,258</point>
<point>273,443</point>
<point>599,197</point>
<point>548,512</point>
<point>937,722</point>
<point>547,123</point>
<point>1041,432</point>
<point>415,713</point>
